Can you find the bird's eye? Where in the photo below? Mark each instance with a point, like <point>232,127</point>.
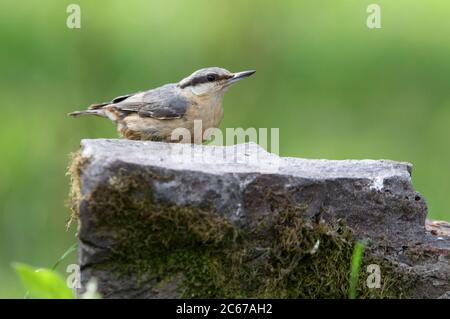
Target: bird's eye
<point>211,77</point>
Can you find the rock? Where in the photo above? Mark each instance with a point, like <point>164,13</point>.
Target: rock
<point>161,220</point>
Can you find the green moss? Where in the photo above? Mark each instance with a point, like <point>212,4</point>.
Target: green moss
<point>74,171</point>
<point>215,259</point>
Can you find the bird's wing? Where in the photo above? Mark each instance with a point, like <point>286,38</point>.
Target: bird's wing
<point>113,101</point>
<point>162,103</point>
<point>123,97</point>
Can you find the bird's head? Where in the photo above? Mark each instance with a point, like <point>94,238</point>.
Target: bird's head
<point>212,81</point>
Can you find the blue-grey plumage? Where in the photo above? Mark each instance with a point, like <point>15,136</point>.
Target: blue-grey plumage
<point>156,113</point>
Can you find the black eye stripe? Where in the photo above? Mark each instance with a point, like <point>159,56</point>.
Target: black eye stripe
<point>204,79</point>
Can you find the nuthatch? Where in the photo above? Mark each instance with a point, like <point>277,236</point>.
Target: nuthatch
<point>155,114</point>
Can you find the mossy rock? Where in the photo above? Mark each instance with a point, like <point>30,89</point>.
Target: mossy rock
<point>141,239</point>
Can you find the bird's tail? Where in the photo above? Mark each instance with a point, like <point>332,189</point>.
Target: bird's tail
<point>88,112</point>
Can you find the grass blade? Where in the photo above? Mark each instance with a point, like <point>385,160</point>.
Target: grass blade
<point>64,256</point>
<point>358,252</point>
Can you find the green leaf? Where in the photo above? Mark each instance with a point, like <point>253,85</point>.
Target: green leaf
<point>43,283</point>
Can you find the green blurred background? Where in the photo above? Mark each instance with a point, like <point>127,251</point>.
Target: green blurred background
<point>335,88</point>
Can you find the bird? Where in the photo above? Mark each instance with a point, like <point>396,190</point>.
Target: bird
<point>156,113</point>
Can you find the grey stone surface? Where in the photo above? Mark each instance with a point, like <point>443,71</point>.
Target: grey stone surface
<point>375,198</point>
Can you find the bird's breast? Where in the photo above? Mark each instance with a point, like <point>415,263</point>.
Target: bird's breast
<point>210,114</point>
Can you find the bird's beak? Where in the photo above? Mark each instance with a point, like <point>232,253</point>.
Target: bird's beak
<point>240,75</point>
